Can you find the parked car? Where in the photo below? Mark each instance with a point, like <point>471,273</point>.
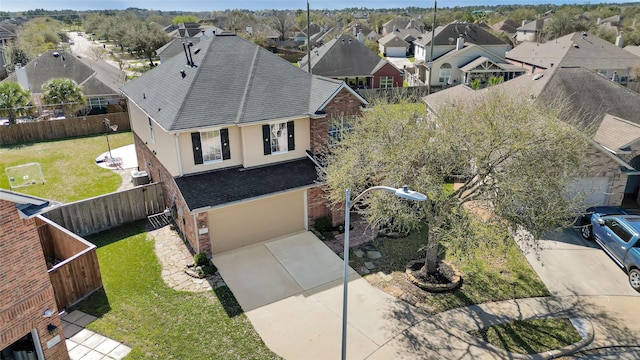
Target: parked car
<point>584,221</point>
<point>619,237</point>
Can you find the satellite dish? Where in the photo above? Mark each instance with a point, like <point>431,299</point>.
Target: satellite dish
<point>114,127</point>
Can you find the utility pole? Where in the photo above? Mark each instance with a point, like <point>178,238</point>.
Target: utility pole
<point>308,40</point>
<point>433,32</point>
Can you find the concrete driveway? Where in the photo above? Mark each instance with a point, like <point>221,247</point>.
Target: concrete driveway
<point>570,265</point>
<point>291,290</point>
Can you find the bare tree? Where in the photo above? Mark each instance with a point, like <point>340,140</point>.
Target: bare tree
<point>281,22</point>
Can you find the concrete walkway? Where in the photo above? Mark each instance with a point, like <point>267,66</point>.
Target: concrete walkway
<point>83,344</point>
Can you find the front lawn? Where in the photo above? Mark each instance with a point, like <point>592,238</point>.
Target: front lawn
<point>68,166</point>
<point>492,265</point>
<point>157,322</point>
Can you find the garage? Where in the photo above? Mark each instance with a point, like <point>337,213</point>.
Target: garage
<point>255,221</point>
<point>595,188</point>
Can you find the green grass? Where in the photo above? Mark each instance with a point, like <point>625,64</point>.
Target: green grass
<point>530,336</point>
<point>157,322</point>
<point>68,166</point>
<point>492,265</point>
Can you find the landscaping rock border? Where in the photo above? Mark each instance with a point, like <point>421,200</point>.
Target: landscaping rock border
<point>446,269</point>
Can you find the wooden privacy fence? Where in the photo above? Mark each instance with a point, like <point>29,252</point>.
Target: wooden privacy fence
<point>72,261</point>
<point>60,129</point>
<point>107,211</point>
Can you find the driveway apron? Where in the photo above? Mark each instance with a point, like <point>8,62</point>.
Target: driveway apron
<point>291,290</point>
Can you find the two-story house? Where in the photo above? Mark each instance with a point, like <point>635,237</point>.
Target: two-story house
<point>230,129</point>
<point>347,58</point>
<point>462,52</point>
<point>30,327</point>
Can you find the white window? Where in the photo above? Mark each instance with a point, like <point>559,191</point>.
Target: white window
<point>386,82</point>
<point>211,146</point>
<point>445,74</point>
<point>97,103</point>
<point>339,127</point>
<point>278,137</point>
<point>151,134</point>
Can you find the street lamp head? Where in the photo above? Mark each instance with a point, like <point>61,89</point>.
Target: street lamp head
<point>405,193</point>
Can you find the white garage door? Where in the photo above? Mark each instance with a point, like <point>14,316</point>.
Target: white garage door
<point>596,189</point>
<point>396,52</point>
<point>251,222</point>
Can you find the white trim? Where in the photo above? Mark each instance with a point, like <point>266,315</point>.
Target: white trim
<point>21,198</point>
<point>36,343</point>
<point>342,86</point>
<point>195,231</point>
<point>178,154</point>
<point>306,209</point>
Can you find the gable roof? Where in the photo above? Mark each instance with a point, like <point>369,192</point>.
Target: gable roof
<point>572,50</point>
<point>233,82</point>
<point>49,66</point>
<point>392,40</point>
<point>343,56</point>
<point>174,47</point>
<point>28,206</point>
<point>507,25</point>
<point>535,25</point>
<point>634,49</point>
<point>616,134</point>
<point>472,34</point>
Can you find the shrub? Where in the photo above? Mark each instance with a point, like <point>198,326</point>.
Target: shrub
<point>323,224</point>
<point>200,259</point>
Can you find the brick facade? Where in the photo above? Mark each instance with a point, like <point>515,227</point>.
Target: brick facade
<point>148,162</point>
<point>25,289</point>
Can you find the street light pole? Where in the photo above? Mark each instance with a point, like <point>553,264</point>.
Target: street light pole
<point>402,192</point>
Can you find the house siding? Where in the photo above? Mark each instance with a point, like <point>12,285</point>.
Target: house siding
<point>387,70</point>
<point>25,288</point>
<point>601,164</point>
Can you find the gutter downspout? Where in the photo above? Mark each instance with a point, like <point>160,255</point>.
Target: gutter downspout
<point>180,172</point>
<point>195,229</point>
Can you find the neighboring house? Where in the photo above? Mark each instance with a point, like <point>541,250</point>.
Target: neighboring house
<point>8,32</point>
<point>393,46</point>
<point>531,30</point>
<point>30,327</point>
<point>356,28</point>
<point>233,137</point>
<point>577,49</point>
<point>612,23</point>
<point>100,81</point>
<point>345,58</point>
<point>607,112</point>
<point>634,49</point>
<point>176,46</point>
<point>506,27</point>
<point>462,52</point>
<point>402,23</point>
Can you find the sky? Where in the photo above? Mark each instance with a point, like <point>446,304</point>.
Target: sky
<point>210,5</point>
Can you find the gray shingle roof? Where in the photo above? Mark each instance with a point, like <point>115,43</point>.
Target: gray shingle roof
<point>571,50</point>
<point>615,133</point>
<point>392,40</point>
<point>47,66</point>
<point>472,34</point>
<point>343,56</point>
<point>234,82</point>
<point>220,187</point>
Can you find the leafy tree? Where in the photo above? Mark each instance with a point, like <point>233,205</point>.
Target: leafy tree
<point>17,56</point>
<point>39,35</point>
<point>281,22</point>
<point>146,38</point>
<point>12,99</point>
<point>64,92</point>
<point>564,23</point>
<point>181,19</point>
<point>506,152</point>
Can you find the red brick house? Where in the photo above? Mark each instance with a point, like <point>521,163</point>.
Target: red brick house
<point>30,327</point>
<point>231,131</point>
<point>347,58</point>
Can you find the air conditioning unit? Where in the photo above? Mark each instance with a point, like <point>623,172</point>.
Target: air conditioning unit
<point>139,178</point>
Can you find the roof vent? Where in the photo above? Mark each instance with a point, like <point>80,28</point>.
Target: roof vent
<point>183,74</point>
<point>537,76</point>
<point>56,54</point>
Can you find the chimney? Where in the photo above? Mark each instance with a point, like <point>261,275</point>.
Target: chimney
<point>598,21</point>
<point>249,30</point>
<point>524,22</point>
<point>412,24</point>
<point>23,79</point>
<point>361,37</point>
<point>460,42</point>
<point>355,30</point>
<point>620,40</point>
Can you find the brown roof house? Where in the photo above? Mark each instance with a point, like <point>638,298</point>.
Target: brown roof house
<point>609,115</point>
<point>578,49</point>
<point>462,52</point>
<point>30,327</point>
<point>232,130</point>
<point>345,58</point>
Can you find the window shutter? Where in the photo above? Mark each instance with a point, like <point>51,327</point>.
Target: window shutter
<point>266,137</point>
<point>291,141</point>
<point>197,148</point>
<point>226,149</point>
